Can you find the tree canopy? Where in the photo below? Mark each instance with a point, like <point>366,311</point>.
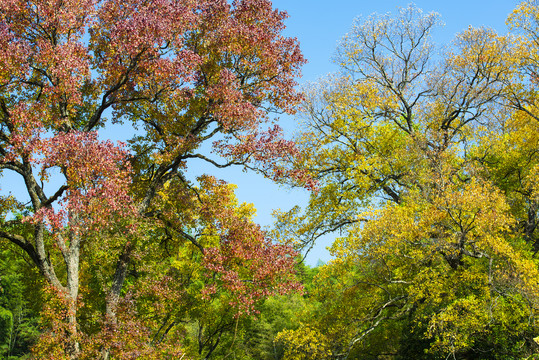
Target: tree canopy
<point>426,163</point>
<point>117,232</point>
<point>422,164</point>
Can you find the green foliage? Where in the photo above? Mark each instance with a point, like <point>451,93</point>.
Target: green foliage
<point>19,327</point>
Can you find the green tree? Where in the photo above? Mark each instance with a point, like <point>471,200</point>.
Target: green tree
<point>19,328</point>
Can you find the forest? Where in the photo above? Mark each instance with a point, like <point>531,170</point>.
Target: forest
<point>421,163</point>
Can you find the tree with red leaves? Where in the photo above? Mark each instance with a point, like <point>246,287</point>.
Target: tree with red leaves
<point>182,73</point>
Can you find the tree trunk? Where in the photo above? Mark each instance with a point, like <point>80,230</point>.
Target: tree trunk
<point>72,261</point>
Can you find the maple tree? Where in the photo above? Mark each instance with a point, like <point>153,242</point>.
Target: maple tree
<point>181,74</point>
<point>426,166</point>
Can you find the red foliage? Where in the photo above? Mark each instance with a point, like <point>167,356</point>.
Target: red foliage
<point>182,72</point>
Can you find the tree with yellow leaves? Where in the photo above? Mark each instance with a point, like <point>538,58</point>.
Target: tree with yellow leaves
<point>427,171</point>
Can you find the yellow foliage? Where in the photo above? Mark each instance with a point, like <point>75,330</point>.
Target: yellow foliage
<point>304,344</point>
<point>428,181</point>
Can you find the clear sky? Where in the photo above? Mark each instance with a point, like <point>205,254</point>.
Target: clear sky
<point>319,25</point>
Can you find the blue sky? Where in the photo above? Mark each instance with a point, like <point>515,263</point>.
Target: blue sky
<point>319,25</point>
